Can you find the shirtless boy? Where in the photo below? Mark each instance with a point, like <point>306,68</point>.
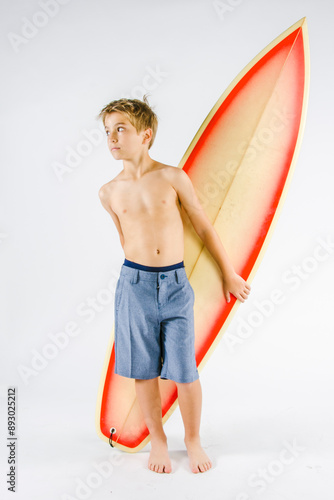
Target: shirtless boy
<point>154,330</point>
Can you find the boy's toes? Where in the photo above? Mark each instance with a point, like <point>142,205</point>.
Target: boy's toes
<point>203,467</point>
<point>199,461</point>
<point>160,468</point>
<point>159,460</point>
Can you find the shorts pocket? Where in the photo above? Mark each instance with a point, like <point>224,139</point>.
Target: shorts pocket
<point>191,289</point>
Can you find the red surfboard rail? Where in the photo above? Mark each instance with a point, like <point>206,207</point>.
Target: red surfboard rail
<point>240,162</point>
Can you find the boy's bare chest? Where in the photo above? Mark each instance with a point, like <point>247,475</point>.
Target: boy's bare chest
<point>142,198</point>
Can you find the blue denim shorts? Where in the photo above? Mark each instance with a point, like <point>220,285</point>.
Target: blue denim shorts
<point>154,323</point>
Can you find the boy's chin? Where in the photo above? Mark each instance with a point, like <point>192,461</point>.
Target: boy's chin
<point>116,155</point>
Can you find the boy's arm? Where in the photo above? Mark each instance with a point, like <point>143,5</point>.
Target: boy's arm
<point>104,196</point>
<point>232,282</point>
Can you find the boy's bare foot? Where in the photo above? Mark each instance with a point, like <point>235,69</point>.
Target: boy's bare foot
<point>159,460</point>
<point>198,459</point>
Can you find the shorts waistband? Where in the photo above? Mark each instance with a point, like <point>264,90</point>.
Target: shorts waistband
<point>135,265</point>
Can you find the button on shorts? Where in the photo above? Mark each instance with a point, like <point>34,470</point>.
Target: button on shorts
<point>154,323</point>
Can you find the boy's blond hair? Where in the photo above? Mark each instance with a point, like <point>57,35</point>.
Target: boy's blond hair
<point>139,113</point>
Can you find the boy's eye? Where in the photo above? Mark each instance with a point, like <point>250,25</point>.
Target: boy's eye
<point>118,130</point>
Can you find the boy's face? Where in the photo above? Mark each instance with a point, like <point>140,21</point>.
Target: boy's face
<point>124,142</point>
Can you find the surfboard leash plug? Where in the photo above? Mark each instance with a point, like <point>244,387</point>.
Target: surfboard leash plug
<point>112,431</point>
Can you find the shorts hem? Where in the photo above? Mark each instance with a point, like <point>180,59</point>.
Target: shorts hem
<point>162,377</point>
<point>147,377</point>
<point>183,381</point>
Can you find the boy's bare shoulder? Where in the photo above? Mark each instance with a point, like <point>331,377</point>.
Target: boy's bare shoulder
<point>106,194</point>
<point>170,170</point>
<point>176,176</point>
<point>108,187</point>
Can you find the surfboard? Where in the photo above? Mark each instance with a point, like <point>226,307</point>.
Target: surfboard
<point>240,162</point>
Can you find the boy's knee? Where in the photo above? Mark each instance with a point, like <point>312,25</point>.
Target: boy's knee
<point>187,385</point>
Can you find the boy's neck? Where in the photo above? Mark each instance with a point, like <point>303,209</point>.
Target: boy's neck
<point>137,167</point>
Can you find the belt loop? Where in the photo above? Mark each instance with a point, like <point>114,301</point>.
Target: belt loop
<point>177,278</point>
<point>135,276</point>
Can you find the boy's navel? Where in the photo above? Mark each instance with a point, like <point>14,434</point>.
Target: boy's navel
<point>158,251</point>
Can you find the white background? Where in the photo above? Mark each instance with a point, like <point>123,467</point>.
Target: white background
<point>59,248</point>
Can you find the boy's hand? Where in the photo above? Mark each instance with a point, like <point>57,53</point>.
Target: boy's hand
<point>235,284</point>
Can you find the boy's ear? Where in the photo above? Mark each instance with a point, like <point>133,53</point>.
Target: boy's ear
<point>147,135</point>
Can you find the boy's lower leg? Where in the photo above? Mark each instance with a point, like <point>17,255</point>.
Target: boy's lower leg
<point>148,395</point>
<point>190,402</point>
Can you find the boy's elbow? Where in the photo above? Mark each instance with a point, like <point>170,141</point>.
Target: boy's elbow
<point>205,232</point>
<point>201,223</point>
